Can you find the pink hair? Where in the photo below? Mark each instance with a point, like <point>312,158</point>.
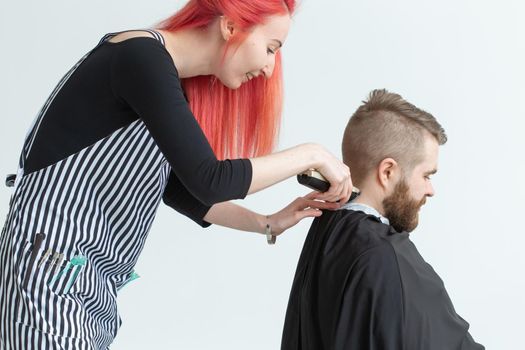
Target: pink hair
<point>243,122</point>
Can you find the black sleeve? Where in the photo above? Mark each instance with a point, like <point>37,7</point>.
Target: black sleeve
<point>179,198</point>
<point>145,78</point>
<point>371,315</point>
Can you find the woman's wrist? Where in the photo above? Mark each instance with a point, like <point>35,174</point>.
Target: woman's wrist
<point>261,220</point>
<point>306,155</point>
<point>314,153</point>
<point>264,220</point>
<point>273,168</point>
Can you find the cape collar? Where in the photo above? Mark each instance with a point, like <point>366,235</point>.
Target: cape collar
<point>365,209</point>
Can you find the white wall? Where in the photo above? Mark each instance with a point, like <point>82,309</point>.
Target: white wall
<point>463,61</point>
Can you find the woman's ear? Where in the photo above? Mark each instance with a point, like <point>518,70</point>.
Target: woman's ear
<point>388,173</point>
<point>227,27</point>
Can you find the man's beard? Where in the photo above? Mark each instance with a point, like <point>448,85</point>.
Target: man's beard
<point>401,210</point>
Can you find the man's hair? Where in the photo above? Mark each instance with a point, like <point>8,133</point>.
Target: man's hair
<point>387,126</point>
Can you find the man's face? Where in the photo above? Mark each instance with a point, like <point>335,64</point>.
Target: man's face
<point>402,206</point>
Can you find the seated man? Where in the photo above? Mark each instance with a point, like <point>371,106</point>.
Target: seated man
<point>361,283</point>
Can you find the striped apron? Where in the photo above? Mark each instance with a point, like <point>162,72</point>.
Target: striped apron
<point>73,234</point>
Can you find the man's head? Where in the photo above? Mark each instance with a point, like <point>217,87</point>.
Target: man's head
<point>391,147</point>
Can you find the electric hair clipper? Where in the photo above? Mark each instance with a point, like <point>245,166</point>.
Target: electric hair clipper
<point>316,181</point>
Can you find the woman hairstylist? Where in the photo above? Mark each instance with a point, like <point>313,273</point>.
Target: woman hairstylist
<point>117,135</point>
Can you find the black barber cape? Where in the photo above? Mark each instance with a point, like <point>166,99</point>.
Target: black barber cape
<point>361,285</point>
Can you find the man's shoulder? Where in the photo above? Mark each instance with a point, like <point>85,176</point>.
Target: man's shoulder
<point>357,224</point>
<point>352,243</point>
<point>351,233</point>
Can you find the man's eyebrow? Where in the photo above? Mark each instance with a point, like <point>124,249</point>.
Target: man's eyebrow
<point>279,42</point>
<point>431,172</point>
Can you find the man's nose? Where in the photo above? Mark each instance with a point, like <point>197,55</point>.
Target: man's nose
<point>430,190</point>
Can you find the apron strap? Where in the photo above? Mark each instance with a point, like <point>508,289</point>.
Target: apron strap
<point>153,32</point>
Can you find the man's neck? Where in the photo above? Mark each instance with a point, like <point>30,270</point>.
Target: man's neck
<point>366,199</point>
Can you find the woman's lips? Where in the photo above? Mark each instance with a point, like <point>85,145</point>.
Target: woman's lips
<point>249,76</point>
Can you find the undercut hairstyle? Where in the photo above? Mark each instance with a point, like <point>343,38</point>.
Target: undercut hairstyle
<point>387,126</point>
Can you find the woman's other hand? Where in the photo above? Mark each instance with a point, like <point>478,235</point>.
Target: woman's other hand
<point>297,210</point>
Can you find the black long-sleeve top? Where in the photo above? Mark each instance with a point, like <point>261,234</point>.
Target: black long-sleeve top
<point>360,285</point>
<point>114,86</point>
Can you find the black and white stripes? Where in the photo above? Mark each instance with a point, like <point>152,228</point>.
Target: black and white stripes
<point>95,206</point>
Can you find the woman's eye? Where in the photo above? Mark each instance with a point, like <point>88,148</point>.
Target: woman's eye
<point>270,51</point>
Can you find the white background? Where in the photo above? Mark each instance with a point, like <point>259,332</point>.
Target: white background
<point>214,288</point>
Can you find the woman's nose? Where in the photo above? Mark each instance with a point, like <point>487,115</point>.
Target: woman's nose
<point>268,69</point>
<point>267,72</point>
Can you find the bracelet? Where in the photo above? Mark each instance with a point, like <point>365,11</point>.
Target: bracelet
<point>268,231</point>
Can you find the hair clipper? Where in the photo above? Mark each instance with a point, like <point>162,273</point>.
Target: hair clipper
<point>314,180</point>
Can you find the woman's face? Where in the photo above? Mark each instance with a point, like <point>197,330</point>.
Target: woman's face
<point>255,56</point>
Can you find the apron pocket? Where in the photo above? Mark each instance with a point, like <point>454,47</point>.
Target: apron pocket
<point>61,280</point>
<point>45,266</point>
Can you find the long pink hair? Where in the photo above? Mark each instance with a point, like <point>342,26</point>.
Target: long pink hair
<point>243,122</point>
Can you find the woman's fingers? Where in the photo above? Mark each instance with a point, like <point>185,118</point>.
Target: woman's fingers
<point>339,191</point>
<point>320,205</point>
<point>312,195</point>
<point>336,193</point>
<point>300,208</point>
<point>305,204</point>
<point>309,213</point>
<point>338,175</point>
<point>332,195</point>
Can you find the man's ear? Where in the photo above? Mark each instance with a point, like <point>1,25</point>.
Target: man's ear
<point>388,173</point>
<point>227,27</point>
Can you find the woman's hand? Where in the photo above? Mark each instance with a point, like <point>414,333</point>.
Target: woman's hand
<point>273,168</point>
<point>299,209</point>
<point>338,174</point>
<point>231,215</point>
